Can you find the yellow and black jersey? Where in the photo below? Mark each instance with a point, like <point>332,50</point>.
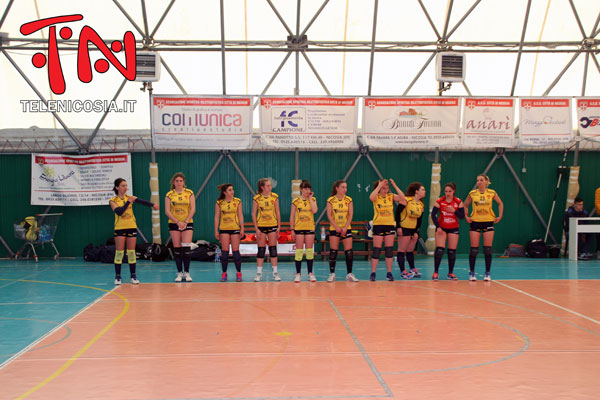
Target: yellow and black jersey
<point>127,219</point>
<point>266,216</point>
<point>180,204</point>
<point>340,209</point>
<point>305,219</point>
<point>383,210</point>
<point>409,215</point>
<point>482,205</point>
<point>229,214</point>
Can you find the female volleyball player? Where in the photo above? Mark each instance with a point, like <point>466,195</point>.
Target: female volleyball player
<point>339,212</point>
<point>450,208</point>
<point>384,224</point>
<point>482,220</point>
<point>302,223</point>
<point>180,207</point>
<point>125,227</point>
<point>229,227</point>
<point>267,223</point>
<point>409,214</point>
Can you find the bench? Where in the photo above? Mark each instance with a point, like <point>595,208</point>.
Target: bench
<point>575,227</point>
<point>359,236</point>
<point>249,248</point>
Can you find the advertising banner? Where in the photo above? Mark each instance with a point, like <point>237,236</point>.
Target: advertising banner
<point>396,123</point>
<point>544,121</point>
<point>201,123</point>
<point>588,116</point>
<point>314,122</point>
<point>488,122</point>
<point>61,180</point>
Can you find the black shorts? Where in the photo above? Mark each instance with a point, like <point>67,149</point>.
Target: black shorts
<point>229,231</point>
<point>131,232</point>
<point>267,229</point>
<point>450,230</point>
<point>174,227</point>
<point>408,231</point>
<point>346,236</point>
<point>487,226</point>
<point>383,230</point>
<point>304,232</point>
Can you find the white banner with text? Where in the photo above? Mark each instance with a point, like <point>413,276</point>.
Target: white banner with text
<point>488,122</point>
<point>396,123</point>
<point>314,122</point>
<point>544,121</point>
<point>62,180</point>
<point>588,117</point>
<point>201,123</point>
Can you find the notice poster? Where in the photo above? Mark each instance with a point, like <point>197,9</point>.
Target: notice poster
<point>544,121</point>
<point>314,122</point>
<point>61,180</point>
<point>201,123</point>
<point>488,122</point>
<point>396,123</point>
<point>588,117</point>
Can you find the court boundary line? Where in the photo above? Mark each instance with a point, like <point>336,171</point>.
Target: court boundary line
<point>49,333</point>
<point>363,351</point>
<point>83,349</point>
<point>548,302</point>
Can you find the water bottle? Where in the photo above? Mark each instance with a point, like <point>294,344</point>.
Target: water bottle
<point>218,254</point>
<point>323,235</point>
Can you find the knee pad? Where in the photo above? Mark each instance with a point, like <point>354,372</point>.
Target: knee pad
<point>487,251</point>
<point>299,254</point>
<point>272,251</point>
<point>474,252</point>
<point>224,256</point>
<point>261,252</point>
<point>451,253</point>
<point>119,256</point>
<point>130,256</point>
<point>333,255</point>
<point>236,256</point>
<point>389,252</point>
<point>177,252</point>
<point>376,252</point>
<point>349,254</point>
<point>310,254</point>
<point>439,252</point>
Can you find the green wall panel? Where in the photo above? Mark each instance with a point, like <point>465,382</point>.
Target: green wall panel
<point>82,225</point>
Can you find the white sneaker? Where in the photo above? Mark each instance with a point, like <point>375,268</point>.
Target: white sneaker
<point>276,277</point>
<point>351,278</point>
<point>134,280</point>
<point>297,278</point>
<point>312,277</point>
<point>487,277</point>
<point>472,276</point>
<point>187,276</point>
<point>179,277</point>
<point>258,277</point>
<point>331,277</point>
<point>118,280</point>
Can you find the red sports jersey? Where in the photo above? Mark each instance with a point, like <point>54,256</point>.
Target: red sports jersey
<point>447,219</point>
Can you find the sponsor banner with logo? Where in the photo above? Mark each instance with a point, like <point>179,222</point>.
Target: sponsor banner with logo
<point>488,122</point>
<point>588,116</point>
<point>396,123</point>
<point>544,121</point>
<point>62,180</point>
<point>201,123</point>
<point>317,122</point>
